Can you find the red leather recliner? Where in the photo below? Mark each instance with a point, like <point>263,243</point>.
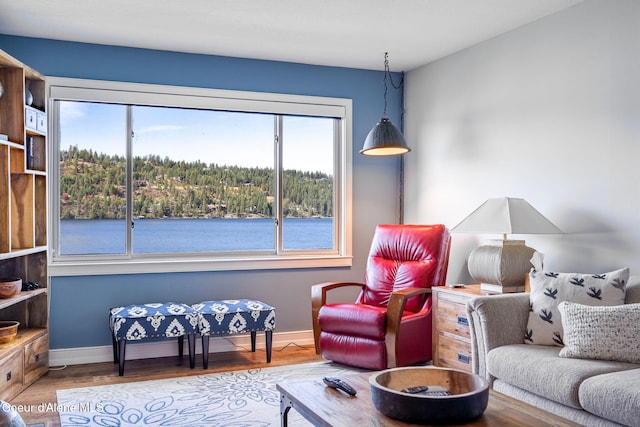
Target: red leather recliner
<point>389,325</point>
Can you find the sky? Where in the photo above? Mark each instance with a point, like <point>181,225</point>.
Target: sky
<point>223,138</point>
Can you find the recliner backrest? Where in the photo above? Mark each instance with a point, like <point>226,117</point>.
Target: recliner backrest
<point>404,256</point>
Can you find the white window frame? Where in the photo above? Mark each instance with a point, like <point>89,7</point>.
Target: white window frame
<point>61,89</point>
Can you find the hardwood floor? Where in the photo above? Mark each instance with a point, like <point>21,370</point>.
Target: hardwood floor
<point>43,391</point>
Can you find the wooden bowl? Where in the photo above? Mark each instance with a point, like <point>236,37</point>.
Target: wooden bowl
<point>468,400</point>
<point>8,330</point>
<point>10,286</point>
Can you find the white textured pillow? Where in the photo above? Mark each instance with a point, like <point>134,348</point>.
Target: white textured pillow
<point>605,333</point>
<point>549,289</point>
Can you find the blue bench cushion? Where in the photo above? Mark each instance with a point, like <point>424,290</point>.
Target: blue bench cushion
<point>137,322</point>
<point>234,317</point>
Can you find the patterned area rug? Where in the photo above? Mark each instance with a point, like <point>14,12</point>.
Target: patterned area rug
<point>236,398</point>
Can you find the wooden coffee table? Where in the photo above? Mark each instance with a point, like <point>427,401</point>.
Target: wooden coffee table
<point>324,406</point>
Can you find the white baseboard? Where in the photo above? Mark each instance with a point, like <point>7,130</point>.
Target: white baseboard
<point>147,350</point>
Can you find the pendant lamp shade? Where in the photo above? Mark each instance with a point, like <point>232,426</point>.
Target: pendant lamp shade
<point>384,140</point>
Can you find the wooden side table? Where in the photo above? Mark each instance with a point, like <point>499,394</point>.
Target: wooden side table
<point>451,333</point>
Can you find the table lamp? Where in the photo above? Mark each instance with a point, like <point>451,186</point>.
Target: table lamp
<point>501,265</point>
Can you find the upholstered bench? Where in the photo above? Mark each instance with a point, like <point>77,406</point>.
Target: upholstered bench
<point>157,320</point>
<point>234,317</point>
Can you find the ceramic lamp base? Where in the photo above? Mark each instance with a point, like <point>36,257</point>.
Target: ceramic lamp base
<point>501,265</point>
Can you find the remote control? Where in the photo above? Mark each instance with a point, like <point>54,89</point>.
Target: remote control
<point>339,384</point>
<point>416,389</point>
<point>427,390</point>
<point>435,393</point>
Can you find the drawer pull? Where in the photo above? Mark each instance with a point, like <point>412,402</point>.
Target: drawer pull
<point>464,358</point>
<point>9,376</point>
<point>463,321</point>
<point>37,357</point>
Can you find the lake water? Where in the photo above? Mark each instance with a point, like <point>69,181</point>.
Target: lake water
<point>192,235</point>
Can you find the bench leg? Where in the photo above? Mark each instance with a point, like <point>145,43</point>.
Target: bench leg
<point>191,340</point>
<point>122,345</point>
<point>205,351</point>
<point>253,341</point>
<point>269,339</point>
<point>181,346</point>
<point>114,344</point>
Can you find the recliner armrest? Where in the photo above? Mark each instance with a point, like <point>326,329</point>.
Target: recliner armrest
<point>494,321</point>
<point>319,298</point>
<point>395,308</point>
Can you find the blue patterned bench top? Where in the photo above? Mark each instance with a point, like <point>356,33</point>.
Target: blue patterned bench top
<point>137,322</point>
<point>234,317</point>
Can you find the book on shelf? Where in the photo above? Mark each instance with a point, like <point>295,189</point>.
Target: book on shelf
<point>29,146</point>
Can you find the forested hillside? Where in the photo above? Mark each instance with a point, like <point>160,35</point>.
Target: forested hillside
<point>92,186</point>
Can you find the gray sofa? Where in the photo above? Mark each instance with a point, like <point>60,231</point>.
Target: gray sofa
<point>589,392</point>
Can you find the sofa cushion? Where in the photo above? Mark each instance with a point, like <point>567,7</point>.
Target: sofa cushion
<point>606,333</point>
<point>578,415</point>
<point>539,370</point>
<point>613,396</point>
<point>548,289</point>
<point>633,290</point>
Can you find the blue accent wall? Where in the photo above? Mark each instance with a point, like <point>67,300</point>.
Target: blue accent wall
<point>79,305</point>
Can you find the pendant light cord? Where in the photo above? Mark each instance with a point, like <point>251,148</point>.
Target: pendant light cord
<point>388,77</point>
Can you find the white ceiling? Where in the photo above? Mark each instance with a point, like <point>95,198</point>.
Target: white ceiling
<point>345,33</point>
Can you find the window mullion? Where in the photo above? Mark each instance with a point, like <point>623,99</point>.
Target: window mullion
<point>129,183</point>
<point>278,177</point>
<point>338,181</point>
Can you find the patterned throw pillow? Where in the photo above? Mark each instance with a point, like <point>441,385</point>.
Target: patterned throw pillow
<point>549,289</point>
<point>605,333</point>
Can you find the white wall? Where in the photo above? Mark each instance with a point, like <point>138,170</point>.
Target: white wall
<point>549,112</point>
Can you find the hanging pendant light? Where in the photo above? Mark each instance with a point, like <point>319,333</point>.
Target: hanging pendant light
<point>385,139</point>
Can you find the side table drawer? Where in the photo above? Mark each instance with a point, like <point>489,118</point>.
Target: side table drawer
<point>454,353</point>
<point>36,359</point>
<point>11,375</point>
<point>452,318</point>
<point>451,330</point>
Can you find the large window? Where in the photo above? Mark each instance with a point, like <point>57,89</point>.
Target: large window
<point>155,178</point>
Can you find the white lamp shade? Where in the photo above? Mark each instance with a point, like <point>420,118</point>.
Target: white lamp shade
<point>506,215</point>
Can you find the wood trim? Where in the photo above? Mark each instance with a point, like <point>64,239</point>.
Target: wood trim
<point>395,308</point>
